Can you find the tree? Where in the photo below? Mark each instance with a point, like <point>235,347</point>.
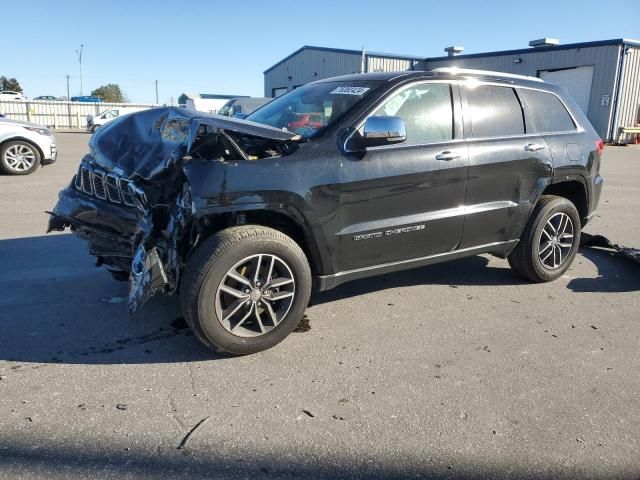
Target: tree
<point>10,84</point>
<point>110,93</point>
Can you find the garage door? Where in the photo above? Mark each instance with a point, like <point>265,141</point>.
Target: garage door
<point>576,80</point>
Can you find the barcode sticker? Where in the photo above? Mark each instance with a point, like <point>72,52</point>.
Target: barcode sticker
<point>349,90</point>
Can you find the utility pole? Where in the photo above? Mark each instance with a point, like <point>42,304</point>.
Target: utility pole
<point>156,82</point>
<point>79,53</point>
<point>68,94</point>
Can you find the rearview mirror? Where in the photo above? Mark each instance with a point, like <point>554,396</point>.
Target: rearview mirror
<point>382,130</point>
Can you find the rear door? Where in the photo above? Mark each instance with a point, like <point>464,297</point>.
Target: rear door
<point>508,168</point>
<point>400,202</point>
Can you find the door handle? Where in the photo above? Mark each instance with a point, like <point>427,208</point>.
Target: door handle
<point>447,155</point>
<point>534,147</point>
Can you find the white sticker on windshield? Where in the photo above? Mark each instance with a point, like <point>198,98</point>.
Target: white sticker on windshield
<point>349,90</point>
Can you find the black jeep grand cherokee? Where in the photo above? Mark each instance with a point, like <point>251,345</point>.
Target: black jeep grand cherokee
<point>337,180</point>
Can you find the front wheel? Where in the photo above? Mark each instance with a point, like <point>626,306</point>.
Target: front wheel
<point>245,289</point>
<point>19,158</point>
<point>549,242</point>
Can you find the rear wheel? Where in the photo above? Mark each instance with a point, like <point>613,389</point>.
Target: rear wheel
<point>549,242</point>
<point>245,289</point>
<point>19,158</point>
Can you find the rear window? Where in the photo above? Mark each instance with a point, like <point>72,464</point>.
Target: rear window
<point>494,111</point>
<point>545,112</point>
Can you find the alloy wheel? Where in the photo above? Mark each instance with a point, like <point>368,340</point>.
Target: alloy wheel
<point>255,295</point>
<point>556,241</point>
<point>19,158</point>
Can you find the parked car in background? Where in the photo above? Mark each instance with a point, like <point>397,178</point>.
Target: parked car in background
<point>24,146</point>
<point>242,106</point>
<point>95,122</point>
<point>46,97</point>
<point>337,180</point>
<point>86,98</point>
<point>12,96</point>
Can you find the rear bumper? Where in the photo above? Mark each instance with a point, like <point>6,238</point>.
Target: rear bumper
<point>595,186</point>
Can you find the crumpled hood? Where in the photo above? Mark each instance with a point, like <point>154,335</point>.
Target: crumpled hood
<point>146,143</point>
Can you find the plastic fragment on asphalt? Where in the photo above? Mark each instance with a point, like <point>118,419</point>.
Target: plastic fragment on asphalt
<point>599,241</point>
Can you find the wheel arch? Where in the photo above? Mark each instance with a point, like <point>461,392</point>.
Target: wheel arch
<point>23,139</point>
<point>288,221</point>
<point>573,189</point>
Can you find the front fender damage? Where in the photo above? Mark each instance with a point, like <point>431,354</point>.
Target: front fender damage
<point>132,201</point>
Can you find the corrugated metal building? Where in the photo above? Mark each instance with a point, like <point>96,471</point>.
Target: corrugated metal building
<point>603,76</point>
<point>308,64</point>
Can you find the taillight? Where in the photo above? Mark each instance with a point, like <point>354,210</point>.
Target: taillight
<point>599,147</point>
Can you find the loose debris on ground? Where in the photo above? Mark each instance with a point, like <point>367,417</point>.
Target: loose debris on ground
<point>599,241</point>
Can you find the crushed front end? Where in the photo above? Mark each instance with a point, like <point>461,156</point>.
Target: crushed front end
<point>131,199</point>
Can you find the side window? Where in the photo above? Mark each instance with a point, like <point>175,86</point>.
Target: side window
<point>545,112</point>
<point>426,110</point>
<point>494,111</point>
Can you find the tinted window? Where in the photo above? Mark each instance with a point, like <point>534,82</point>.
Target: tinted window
<point>426,111</point>
<point>545,112</point>
<point>494,111</point>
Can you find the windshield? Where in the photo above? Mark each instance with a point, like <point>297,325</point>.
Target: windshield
<point>309,109</point>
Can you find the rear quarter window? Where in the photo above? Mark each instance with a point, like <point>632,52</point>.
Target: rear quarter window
<point>544,112</point>
<point>494,111</point>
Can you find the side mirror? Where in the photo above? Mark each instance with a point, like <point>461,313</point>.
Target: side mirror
<point>379,131</point>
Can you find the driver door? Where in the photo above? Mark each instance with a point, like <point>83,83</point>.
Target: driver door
<point>404,201</point>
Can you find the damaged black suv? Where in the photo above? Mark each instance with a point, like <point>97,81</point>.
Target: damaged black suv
<point>337,180</point>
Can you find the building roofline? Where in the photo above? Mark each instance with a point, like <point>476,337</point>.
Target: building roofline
<point>343,50</point>
<point>523,51</point>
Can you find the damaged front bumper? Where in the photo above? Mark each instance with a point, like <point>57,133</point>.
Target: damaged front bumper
<point>131,199</point>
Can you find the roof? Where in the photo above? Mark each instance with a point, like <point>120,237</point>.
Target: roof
<point>211,96</point>
<point>342,50</point>
<point>381,76</point>
<point>522,51</point>
<point>447,74</point>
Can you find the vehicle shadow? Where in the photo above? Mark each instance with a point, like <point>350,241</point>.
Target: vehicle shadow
<point>57,307</point>
<point>616,273</point>
<point>465,271</point>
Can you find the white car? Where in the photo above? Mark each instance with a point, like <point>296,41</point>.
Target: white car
<point>8,95</point>
<point>24,146</point>
<point>94,123</point>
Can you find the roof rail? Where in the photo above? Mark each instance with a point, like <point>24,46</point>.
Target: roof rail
<point>462,71</point>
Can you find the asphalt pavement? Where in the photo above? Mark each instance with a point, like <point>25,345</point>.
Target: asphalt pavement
<point>458,370</point>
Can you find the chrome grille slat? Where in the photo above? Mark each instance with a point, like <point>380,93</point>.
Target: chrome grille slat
<point>105,186</point>
<point>98,185</point>
<point>113,191</point>
<point>86,180</point>
<point>127,198</point>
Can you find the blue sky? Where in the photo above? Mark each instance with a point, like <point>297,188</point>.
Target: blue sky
<point>223,46</point>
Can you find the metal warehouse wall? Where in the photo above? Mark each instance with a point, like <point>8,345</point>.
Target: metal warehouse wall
<point>300,68</point>
<point>603,58</point>
<point>629,101</point>
<point>387,64</point>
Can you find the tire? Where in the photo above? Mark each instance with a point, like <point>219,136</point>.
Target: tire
<point>242,250</point>
<point>541,255</point>
<point>18,157</point>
